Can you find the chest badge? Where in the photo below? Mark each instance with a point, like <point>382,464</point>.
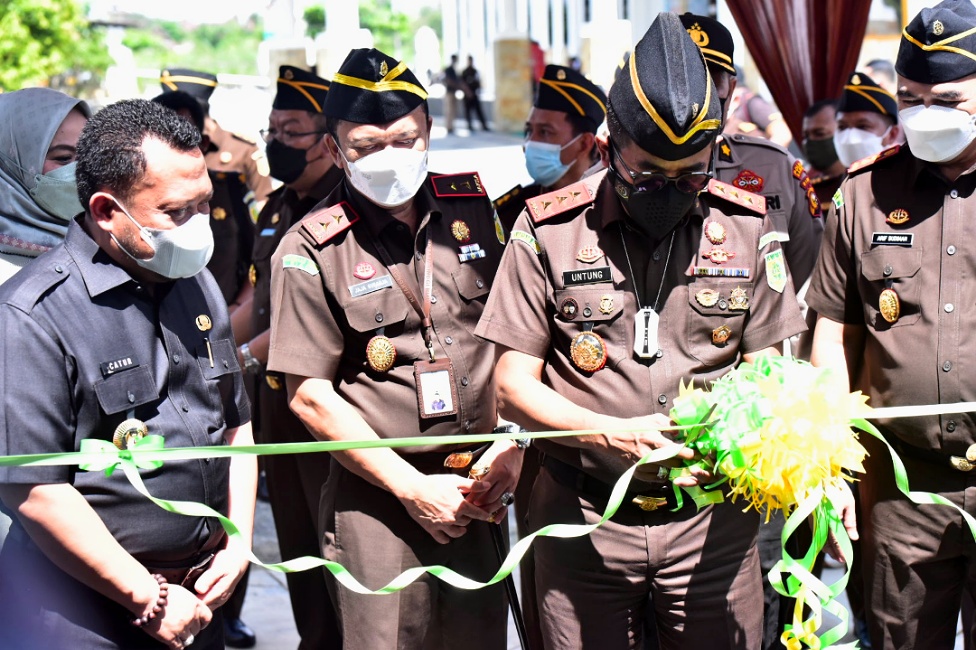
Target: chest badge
<point>203,323</point>
<point>219,214</point>
<point>720,335</point>
<point>252,275</point>
<point>897,217</point>
<point>380,353</point>
<point>749,181</point>
<point>460,231</point>
<point>715,232</point>
<point>275,218</point>
<point>718,255</point>
<point>738,299</point>
<point>128,433</point>
<point>569,308</point>
<point>589,254</point>
<point>606,305</point>
<point>364,271</point>
<point>707,297</point>
<point>889,305</point>
<point>588,351</point>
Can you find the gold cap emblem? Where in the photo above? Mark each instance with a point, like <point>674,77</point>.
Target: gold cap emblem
<point>384,69</point>
<point>561,75</point>
<point>937,28</point>
<point>856,80</point>
<point>890,305</point>
<point>698,35</point>
<point>380,353</point>
<point>289,74</point>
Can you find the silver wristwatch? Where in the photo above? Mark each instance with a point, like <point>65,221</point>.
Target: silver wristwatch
<point>251,365</point>
<point>521,443</point>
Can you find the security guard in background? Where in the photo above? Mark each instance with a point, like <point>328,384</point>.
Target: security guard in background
<point>560,137</point>
<point>893,288</point>
<point>590,272</point>
<point>234,153</point>
<point>300,159</point>
<point>375,297</point>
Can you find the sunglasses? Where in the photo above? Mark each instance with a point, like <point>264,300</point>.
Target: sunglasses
<point>687,183</point>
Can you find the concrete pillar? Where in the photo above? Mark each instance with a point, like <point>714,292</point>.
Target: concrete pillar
<point>558,55</point>
<point>342,33</point>
<point>603,44</point>
<point>513,83</point>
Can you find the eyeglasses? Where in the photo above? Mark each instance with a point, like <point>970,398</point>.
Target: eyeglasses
<point>284,136</point>
<point>687,183</point>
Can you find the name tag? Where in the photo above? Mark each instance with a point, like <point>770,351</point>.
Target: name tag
<point>109,368</point>
<point>893,239</point>
<point>587,276</point>
<point>371,286</point>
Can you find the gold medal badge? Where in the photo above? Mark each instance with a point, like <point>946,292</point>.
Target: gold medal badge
<point>380,353</point>
<point>128,433</point>
<point>715,232</point>
<point>718,255</point>
<point>720,335</point>
<point>890,305</point>
<point>252,275</point>
<point>589,254</point>
<point>460,231</point>
<point>588,351</point>
<point>707,297</point>
<point>738,299</point>
<point>606,305</point>
<point>897,217</point>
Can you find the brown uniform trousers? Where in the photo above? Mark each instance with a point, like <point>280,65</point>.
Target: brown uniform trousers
<point>335,294</point>
<point>899,225</point>
<point>566,271</point>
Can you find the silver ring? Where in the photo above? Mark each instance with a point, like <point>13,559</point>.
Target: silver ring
<point>507,499</point>
<point>662,472</point>
<point>188,640</point>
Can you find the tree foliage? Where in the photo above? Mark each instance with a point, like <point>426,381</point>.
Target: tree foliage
<point>229,47</point>
<point>392,30</point>
<point>41,39</point>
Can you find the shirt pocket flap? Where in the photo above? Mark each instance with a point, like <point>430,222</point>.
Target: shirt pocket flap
<point>717,299</point>
<point>381,309</point>
<point>889,262</point>
<point>224,358</point>
<point>125,390</point>
<point>470,283</point>
<point>588,304</point>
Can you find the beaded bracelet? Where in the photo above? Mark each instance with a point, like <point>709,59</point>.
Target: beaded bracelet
<point>142,621</point>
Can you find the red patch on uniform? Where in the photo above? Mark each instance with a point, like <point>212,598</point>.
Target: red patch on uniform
<point>364,271</point>
<point>798,170</point>
<point>814,203</point>
<point>749,181</point>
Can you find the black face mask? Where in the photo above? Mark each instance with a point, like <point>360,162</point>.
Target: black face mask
<point>820,153</point>
<point>286,163</point>
<point>655,213</point>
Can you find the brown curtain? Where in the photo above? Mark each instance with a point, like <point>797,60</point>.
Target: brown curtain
<point>804,49</point>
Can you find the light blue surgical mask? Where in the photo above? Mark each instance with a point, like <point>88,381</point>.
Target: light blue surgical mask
<point>544,163</point>
<point>57,193</point>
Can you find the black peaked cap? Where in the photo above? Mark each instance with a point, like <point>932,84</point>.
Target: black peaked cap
<point>373,88</point>
<point>663,96</point>
<point>939,44</point>
<point>713,38</point>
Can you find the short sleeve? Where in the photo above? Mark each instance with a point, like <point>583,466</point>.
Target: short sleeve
<point>515,315</point>
<point>35,398</point>
<point>834,279</point>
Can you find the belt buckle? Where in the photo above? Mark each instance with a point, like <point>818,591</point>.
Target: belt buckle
<point>649,504</point>
<point>459,459</point>
<point>961,464</point>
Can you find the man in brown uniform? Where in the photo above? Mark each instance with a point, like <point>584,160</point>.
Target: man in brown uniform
<point>893,288</point>
<point>375,297</point>
<point>613,291</point>
<point>300,159</point>
<point>234,153</point>
<point>560,137</point>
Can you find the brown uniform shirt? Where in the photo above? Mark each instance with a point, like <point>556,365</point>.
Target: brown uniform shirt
<point>326,310</point>
<point>530,307</point>
<point>239,155</point>
<point>926,355</point>
<point>233,232</point>
<point>760,166</point>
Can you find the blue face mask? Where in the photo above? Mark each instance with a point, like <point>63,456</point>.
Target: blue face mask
<point>543,161</point>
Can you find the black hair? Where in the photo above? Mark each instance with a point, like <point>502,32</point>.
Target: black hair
<point>818,106</point>
<point>178,100</point>
<point>110,155</point>
<point>332,123</point>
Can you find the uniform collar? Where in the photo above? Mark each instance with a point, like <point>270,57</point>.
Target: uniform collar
<point>99,271</point>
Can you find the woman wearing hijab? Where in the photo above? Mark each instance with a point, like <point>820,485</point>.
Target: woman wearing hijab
<point>39,129</point>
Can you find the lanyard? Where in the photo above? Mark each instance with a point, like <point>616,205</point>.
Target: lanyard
<point>428,288</point>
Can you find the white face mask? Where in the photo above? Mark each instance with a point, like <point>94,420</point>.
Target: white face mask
<point>180,252</point>
<point>937,133</point>
<point>57,192</point>
<point>389,177</point>
<point>856,144</point>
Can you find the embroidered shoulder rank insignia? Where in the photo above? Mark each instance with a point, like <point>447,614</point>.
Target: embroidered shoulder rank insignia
<point>548,205</point>
<point>466,184</point>
<point>732,194</point>
<point>323,225</point>
<point>870,160</point>
<point>507,196</point>
<point>725,152</point>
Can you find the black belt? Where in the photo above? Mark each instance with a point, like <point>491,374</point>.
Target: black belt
<point>963,464</point>
<point>650,499</point>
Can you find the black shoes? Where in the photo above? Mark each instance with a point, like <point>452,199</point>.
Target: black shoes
<point>237,634</point>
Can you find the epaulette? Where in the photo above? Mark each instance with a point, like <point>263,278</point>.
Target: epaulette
<point>27,289</point>
<point>458,185</point>
<point>550,204</point>
<point>506,197</point>
<point>323,225</point>
<point>747,140</point>
<point>732,194</point>
<point>870,160</point>
<point>244,138</point>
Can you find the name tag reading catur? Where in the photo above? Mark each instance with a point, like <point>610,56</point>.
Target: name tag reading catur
<point>645,333</point>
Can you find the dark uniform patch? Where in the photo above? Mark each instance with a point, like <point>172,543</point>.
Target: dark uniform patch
<point>455,185</point>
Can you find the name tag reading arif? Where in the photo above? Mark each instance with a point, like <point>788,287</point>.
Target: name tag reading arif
<point>587,276</point>
<point>892,239</point>
<point>371,286</point>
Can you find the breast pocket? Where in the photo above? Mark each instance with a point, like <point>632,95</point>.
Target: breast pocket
<point>386,308</point>
<point>220,376</point>
<point>471,283</point>
<point>717,318</point>
<point>128,392</point>
<point>896,269</point>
